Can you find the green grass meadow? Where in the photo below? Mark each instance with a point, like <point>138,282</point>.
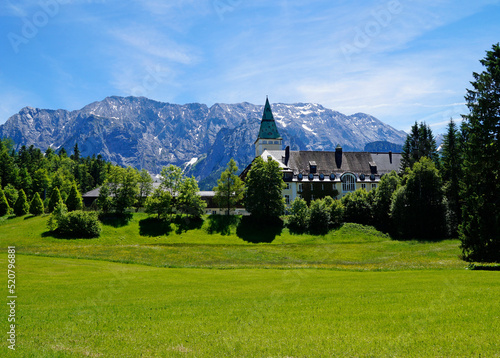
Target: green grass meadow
<point>207,291</point>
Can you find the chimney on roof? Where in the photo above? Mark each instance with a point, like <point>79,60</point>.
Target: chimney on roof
<point>390,157</point>
<point>287,155</point>
<point>338,156</point>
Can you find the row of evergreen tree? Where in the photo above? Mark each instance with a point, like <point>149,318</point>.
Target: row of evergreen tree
<point>34,181</point>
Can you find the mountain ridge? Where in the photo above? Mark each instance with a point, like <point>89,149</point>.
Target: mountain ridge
<point>149,134</point>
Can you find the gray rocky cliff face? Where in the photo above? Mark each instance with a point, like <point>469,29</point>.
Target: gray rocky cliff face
<point>143,133</point>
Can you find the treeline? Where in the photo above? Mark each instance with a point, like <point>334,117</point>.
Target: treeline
<point>30,176</point>
<point>453,194</point>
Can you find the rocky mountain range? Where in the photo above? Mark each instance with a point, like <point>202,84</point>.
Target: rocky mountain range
<point>144,133</point>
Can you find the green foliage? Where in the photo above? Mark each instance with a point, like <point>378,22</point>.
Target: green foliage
<point>319,217</point>
<point>9,173</point>
<point>21,207</point>
<point>264,183</point>
<point>25,181</point>
<point>189,202</point>
<point>126,192</point>
<point>36,205</point>
<point>104,201</point>
<point>172,178</point>
<point>160,203</point>
<point>60,210</point>
<point>11,194</point>
<point>357,208</point>
<point>418,144</point>
<point>299,215</point>
<point>451,172</point>
<point>79,224</point>
<point>417,208</point>
<point>382,200</point>
<point>54,199</point>
<point>145,187</point>
<point>480,228</point>
<point>74,200</point>
<point>230,188</point>
<point>4,205</point>
<point>336,212</point>
<point>41,181</point>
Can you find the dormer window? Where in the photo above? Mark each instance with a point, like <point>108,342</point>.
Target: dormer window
<point>312,167</point>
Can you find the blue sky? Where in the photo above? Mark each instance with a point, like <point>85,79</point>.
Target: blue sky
<point>399,60</point>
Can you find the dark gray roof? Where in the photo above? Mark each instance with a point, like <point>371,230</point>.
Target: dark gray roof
<point>354,162</point>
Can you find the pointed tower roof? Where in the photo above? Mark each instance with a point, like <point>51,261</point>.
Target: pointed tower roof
<point>268,129</point>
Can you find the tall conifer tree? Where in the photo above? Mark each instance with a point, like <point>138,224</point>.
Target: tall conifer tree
<point>480,229</point>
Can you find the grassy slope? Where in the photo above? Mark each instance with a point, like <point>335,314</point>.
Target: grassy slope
<point>422,303</point>
<point>352,247</point>
<point>81,308</point>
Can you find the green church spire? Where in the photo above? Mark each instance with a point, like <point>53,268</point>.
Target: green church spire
<point>268,129</point>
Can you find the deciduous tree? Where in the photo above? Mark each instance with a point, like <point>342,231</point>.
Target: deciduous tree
<point>230,188</point>
<point>264,183</point>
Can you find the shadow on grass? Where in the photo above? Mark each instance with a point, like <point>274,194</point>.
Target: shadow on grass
<point>115,220</point>
<point>476,267</point>
<point>29,217</point>
<point>184,223</point>
<point>59,236</point>
<point>221,224</point>
<point>259,231</point>
<point>154,227</point>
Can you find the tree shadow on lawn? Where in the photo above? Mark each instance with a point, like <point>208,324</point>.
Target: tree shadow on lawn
<point>479,267</point>
<point>184,223</point>
<point>59,236</point>
<point>221,224</point>
<point>115,220</point>
<point>154,227</point>
<point>259,231</point>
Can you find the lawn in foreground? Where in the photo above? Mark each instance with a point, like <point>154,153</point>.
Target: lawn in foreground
<point>82,308</point>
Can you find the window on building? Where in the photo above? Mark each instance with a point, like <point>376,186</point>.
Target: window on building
<point>348,183</point>
<point>300,188</point>
<point>287,186</point>
<point>322,186</point>
<point>363,186</point>
<point>312,187</point>
<point>334,186</point>
<point>264,142</point>
<point>276,142</point>
<point>287,199</point>
<point>374,186</point>
<point>312,197</point>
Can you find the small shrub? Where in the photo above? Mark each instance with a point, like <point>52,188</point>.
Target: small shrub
<point>79,224</point>
<point>336,213</point>
<point>21,207</point>
<point>74,200</point>
<point>36,205</point>
<point>55,198</point>
<point>319,217</point>
<point>299,218</point>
